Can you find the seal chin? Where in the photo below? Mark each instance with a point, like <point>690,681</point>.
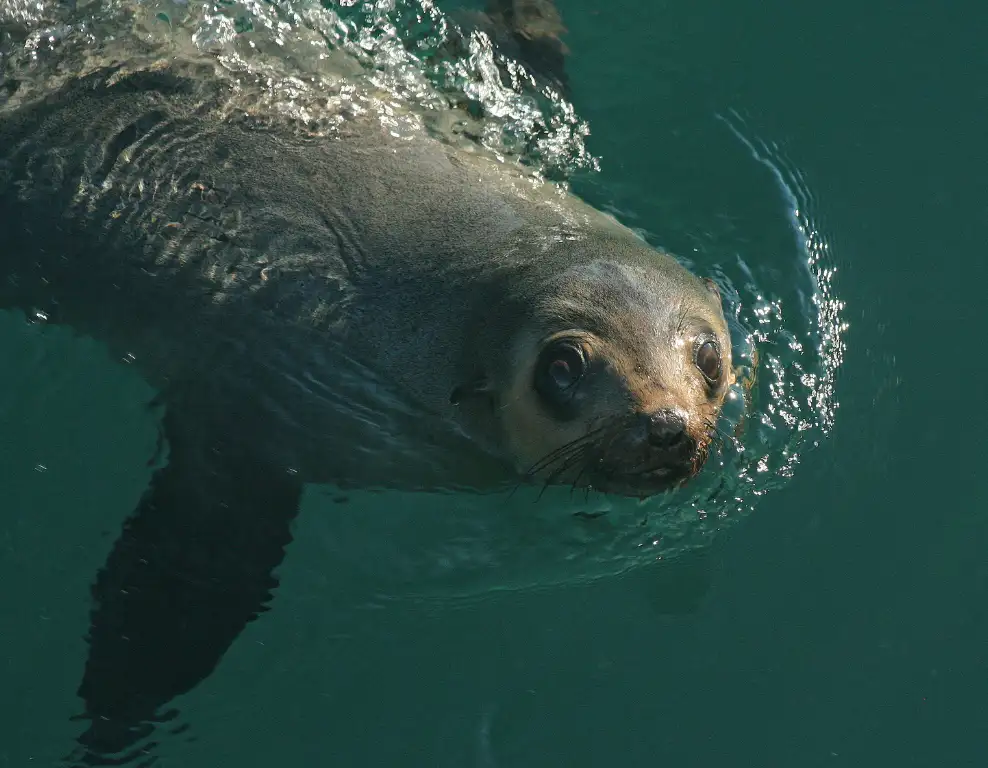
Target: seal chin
<point>664,474</point>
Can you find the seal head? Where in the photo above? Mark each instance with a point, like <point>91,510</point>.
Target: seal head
<point>617,377</point>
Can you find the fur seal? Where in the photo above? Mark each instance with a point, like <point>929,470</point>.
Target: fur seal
<point>374,308</point>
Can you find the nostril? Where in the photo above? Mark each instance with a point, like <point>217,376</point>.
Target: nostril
<point>666,429</point>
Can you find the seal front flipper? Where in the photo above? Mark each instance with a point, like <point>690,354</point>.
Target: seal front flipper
<point>193,566</point>
<point>537,28</point>
<point>529,31</point>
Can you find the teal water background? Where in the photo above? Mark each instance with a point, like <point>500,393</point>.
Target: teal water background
<point>848,621</point>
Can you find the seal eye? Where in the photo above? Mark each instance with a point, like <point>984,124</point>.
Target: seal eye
<point>707,359</point>
<point>558,371</point>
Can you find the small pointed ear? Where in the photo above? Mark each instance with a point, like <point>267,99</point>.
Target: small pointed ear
<point>711,286</point>
<point>478,386</point>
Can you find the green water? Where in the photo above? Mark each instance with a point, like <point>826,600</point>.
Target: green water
<point>847,621</point>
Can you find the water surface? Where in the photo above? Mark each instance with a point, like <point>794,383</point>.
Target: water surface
<point>823,163</point>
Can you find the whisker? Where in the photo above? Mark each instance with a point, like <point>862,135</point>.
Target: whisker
<point>602,450</point>
<point>576,480</point>
<point>553,456</point>
<point>577,455</point>
<point>586,489</point>
<point>563,458</point>
<point>565,463</point>
<point>545,487</point>
<point>730,438</point>
<point>720,436</point>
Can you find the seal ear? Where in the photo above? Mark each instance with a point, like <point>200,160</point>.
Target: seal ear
<point>481,385</point>
<point>711,286</point>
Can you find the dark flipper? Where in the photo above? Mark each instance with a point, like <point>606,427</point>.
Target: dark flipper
<point>528,31</point>
<point>193,566</point>
<point>536,27</point>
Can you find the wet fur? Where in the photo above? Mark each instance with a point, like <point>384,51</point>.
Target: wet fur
<point>307,307</point>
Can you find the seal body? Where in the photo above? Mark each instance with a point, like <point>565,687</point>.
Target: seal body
<point>285,272</point>
<point>373,308</point>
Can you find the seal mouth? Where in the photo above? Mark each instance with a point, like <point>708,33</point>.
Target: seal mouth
<point>671,473</point>
<point>622,459</point>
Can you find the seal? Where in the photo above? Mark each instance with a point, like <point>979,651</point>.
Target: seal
<point>374,308</point>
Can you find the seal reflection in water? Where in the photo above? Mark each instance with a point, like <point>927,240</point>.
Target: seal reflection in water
<point>362,309</point>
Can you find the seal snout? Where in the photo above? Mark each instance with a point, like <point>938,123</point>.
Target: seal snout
<point>665,429</point>
<point>660,444</point>
<point>654,451</point>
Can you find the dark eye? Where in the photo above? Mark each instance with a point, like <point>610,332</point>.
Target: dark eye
<point>558,370</point>
<point>708,360</point>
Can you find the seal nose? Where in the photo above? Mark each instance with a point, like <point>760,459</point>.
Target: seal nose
<point>666,429</point>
